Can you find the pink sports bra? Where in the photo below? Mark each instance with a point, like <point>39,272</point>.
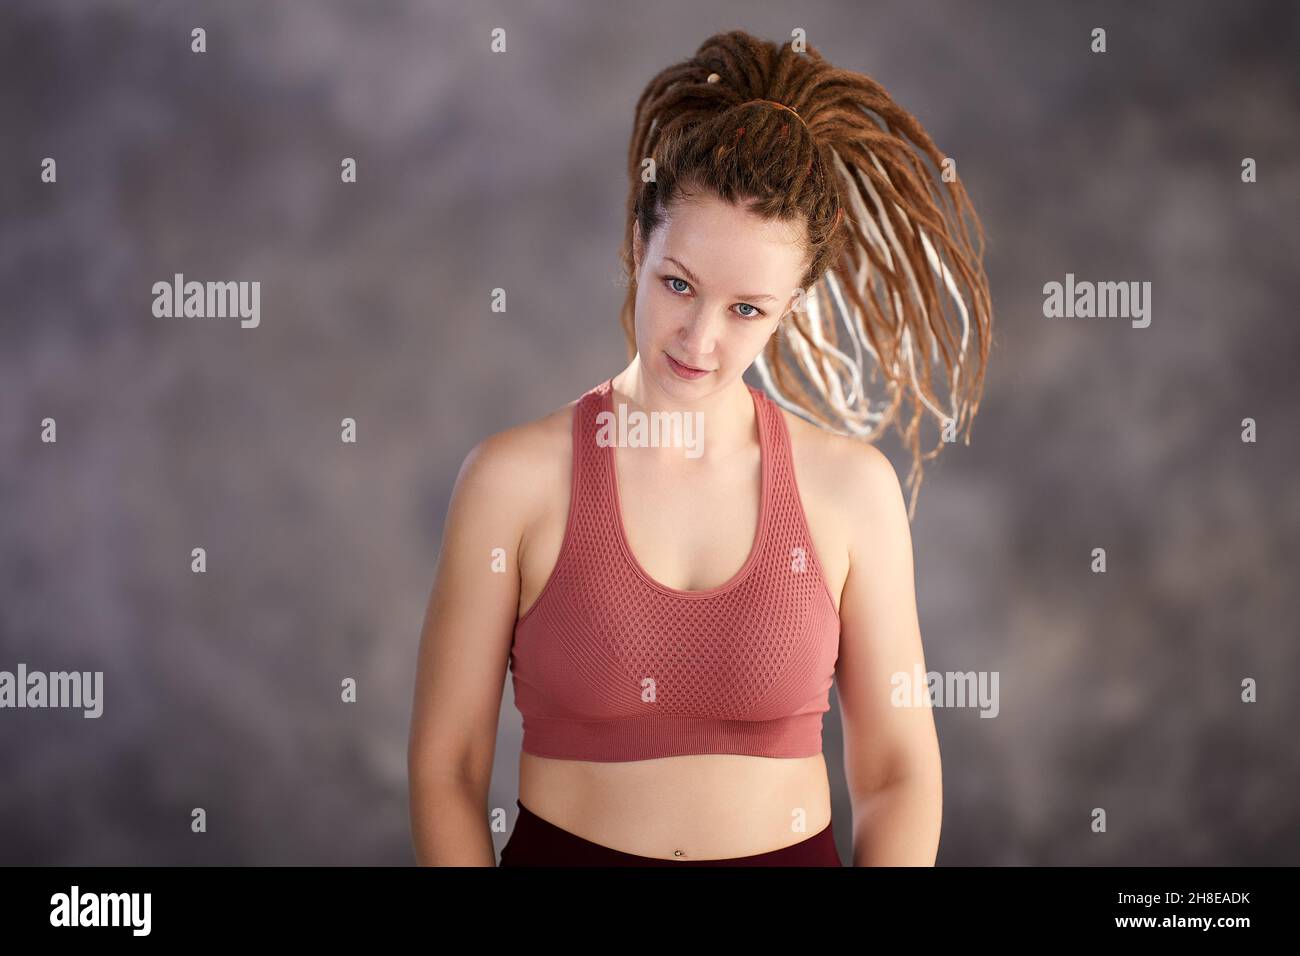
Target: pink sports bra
<point>610,665</point>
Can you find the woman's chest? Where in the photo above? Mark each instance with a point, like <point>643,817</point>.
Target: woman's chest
<point>701,535</point>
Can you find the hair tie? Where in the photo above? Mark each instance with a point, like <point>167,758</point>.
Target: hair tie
<point>714,78</point>
<point>782,105</point>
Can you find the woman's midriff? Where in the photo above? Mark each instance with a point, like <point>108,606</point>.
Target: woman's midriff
<point>707,806</point>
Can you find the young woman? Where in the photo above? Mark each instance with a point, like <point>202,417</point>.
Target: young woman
<point>674,611</point>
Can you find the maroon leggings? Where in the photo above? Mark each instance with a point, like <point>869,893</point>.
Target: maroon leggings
<point>538,842</point>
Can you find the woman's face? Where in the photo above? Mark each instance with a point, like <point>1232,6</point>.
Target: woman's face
<point>712,285</point>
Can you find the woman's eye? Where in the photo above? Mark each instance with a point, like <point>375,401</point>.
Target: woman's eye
<point>754,313</point>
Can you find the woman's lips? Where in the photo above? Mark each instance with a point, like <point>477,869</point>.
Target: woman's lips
<point>685,371</point>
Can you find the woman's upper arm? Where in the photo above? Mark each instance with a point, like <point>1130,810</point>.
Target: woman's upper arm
<point>469,622</point>
<point>880,637</point>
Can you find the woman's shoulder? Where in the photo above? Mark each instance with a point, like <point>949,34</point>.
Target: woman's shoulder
<point>525,464</point>
<point>823,448</point>
<point>520,456</point>
<point>827,464</point>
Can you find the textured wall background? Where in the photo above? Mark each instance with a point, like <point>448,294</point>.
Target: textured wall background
<point>479,171</point>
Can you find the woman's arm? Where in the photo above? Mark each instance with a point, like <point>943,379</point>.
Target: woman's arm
<point>463,658</point>
<point>891,753</point>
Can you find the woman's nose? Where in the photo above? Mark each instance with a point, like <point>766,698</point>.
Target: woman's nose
<point>701,331</point>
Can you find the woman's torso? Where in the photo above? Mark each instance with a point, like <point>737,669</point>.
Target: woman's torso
<point>707,805</point>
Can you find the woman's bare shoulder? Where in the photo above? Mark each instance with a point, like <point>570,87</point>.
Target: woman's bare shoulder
<point>526,461</point>
<point>825,448</point>
<point>827,463</point>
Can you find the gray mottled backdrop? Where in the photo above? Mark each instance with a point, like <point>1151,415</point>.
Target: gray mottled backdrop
<point>477,171</point>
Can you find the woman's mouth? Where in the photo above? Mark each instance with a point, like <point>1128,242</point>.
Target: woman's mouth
<point>686,371</point>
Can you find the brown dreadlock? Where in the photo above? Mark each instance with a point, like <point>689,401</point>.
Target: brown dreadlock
<point>885,249</point>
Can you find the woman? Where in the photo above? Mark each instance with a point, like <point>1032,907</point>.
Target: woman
<point>674,610</point>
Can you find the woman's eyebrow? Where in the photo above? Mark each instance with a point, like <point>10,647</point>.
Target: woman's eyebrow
<point>691,275</point>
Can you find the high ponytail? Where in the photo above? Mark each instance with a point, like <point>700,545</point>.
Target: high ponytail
<point>893,268</point>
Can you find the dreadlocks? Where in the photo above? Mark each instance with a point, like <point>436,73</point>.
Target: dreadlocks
<point>889,249</point>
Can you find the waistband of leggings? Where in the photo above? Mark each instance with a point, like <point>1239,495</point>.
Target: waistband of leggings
<point>824,833</point>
